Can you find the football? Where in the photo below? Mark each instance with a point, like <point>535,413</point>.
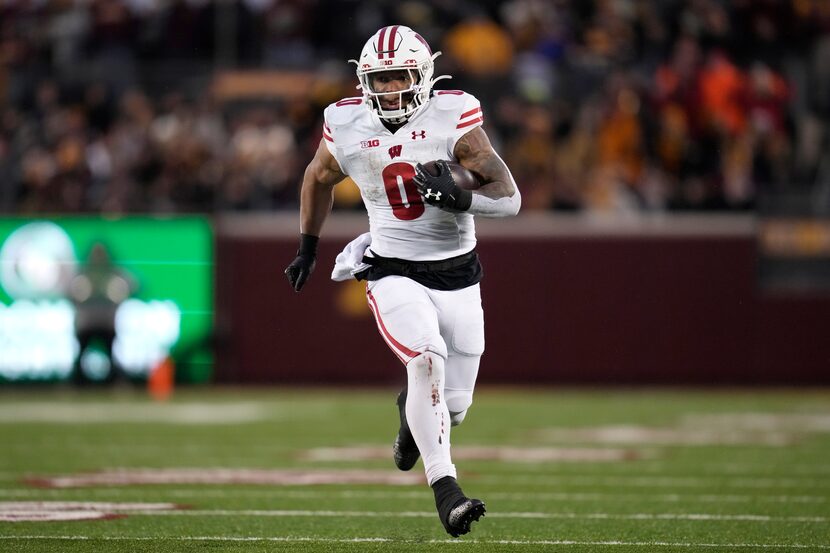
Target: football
<point>460,174</point>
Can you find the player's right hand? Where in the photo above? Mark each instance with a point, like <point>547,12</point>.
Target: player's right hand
<point>300,269</point>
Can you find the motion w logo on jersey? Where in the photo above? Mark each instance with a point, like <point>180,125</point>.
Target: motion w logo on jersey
<point>419,134</point>
<point>395,151</point>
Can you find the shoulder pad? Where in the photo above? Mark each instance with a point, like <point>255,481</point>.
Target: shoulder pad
<point>451,99</point>
<point>345,111</point>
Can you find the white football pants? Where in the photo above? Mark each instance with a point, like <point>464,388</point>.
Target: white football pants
<point>439,336</point>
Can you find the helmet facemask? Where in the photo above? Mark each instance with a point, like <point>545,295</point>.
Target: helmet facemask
<point>410,99</point>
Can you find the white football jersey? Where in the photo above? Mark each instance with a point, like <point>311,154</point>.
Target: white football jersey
<point>383,164</point>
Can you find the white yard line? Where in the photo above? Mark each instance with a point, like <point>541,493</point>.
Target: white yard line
<point>298,476</point>
<point>524,515</point>
<point>507,454</point>
<point>24,510</point>
<point>193,413</point>
<point>803,469</point>
<point>227,476</point>
<point>312,539</point>
<point>201,492</point>
<point>660,481</point>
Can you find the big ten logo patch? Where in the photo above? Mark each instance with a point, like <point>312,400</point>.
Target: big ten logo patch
<point>370,143</point>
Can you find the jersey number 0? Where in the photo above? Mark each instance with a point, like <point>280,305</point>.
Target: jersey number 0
<point>403,196</point>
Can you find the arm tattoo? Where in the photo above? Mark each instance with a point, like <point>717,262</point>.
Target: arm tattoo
<point>475,153</point>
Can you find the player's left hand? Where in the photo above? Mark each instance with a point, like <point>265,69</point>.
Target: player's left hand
<point>441,190</point>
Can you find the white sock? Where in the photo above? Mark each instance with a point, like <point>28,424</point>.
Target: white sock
<point>427,414</point>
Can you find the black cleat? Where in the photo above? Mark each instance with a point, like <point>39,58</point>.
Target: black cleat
<point>404,450</point>
<point>456,511</point>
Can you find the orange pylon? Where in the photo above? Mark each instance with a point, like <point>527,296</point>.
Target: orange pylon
<point>161,379</point>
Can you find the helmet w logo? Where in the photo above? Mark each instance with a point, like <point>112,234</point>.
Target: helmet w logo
<point>395,151</point>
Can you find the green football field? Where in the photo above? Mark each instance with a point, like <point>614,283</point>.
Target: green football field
<point>311,470</point>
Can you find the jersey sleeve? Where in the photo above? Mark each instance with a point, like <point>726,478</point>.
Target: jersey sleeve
<point>328,136</point>
<point>467,116</point>
<point>339,120</point>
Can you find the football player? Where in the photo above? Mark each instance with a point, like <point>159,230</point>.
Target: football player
<point>421,267</point>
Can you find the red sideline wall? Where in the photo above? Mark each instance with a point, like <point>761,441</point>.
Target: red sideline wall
<point>567,301</point>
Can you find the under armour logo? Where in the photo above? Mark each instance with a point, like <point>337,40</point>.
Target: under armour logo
<point>430,195</point>
<point>419,134</point>
<point>395,151</point>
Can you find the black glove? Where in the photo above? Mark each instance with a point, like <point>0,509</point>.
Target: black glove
<point>441,191</point>
<point>301,268</point>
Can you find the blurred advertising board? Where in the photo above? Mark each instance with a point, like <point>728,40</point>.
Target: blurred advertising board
<point>91,299</point>
<point>794,254</point>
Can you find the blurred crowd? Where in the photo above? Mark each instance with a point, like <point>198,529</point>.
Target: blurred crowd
<point>107,106</point>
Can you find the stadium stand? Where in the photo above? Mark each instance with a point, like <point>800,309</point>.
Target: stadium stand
<point>112,106</point>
